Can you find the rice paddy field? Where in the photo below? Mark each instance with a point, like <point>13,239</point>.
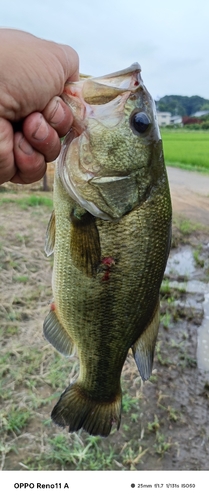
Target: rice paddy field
<point>186,149</point>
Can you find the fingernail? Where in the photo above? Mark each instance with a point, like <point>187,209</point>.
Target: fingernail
<point>42,130</point>
<point>57,114</point>
<point>26,147</point>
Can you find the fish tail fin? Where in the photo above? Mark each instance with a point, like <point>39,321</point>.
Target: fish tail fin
<point>77,410</point>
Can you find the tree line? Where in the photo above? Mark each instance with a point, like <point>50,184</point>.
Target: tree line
<point>182,105</point>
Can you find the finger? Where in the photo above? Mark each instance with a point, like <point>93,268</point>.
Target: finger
<point>31,165</point>
<point>7,165</point>
<point>58,115</point>
<point>41,136</point>
<point>70,62</point>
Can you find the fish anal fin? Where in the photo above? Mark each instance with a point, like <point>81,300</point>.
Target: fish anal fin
<point>85,243</point>
<point>50,236</point>
<point>77,410</point>
<point>143,349</point>
<point>55,333</point>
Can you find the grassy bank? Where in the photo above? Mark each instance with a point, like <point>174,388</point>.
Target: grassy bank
<point>186,149</point>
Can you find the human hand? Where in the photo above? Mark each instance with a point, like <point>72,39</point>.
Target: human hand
<point>33,75</point>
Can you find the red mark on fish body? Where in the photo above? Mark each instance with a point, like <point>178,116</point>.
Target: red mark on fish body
<point>52,306</point>
<point>106,276</point>
<point>107,262</point>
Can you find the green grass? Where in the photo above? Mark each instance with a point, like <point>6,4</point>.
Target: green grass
<point>29,201</point>
<point>186,149</point>
<point>15,420</point>
<point>186,226</point>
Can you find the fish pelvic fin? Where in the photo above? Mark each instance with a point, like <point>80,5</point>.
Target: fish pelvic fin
<point>85,243</point>
<point>50,236</point>
<point>144,347</point>
<point>77,410</point>
<point>55,333</point>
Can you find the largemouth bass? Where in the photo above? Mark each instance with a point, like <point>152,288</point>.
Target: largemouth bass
<point>110,233</point>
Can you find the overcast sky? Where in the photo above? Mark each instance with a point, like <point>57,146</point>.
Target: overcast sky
<point>169,38</point>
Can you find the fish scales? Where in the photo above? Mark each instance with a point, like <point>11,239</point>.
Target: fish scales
<point>108,265</point>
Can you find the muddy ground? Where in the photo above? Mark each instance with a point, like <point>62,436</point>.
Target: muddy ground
<point>164,422</point>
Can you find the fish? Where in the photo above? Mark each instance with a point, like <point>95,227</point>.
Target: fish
<point>110,233</point>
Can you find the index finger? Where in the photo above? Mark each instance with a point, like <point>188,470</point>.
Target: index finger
<point>71,65</point>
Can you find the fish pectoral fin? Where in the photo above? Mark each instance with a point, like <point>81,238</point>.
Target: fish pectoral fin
<point>55,333</point>
<point>85,243</point>
<point>143,349</point>
<point>77,410</point>
<point>50,236</point>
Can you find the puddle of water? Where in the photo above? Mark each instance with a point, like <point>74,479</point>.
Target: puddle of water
<point>193,286</point>
<point>181,262</point>
<point>196,286</point>
<point>203,338</point>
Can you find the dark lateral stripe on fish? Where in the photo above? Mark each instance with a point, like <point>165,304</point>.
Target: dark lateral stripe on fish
<point>85,243</point>
<point>57,335</point>
<point>76,410</point>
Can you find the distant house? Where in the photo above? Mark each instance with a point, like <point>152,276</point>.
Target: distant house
<point>164,118</point>
<point>176,120</point>
<point>198,114</point>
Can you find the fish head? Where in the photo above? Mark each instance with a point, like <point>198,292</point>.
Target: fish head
<point>108,159</point>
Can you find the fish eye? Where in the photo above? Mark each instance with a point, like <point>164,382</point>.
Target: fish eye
<point>140,122</point>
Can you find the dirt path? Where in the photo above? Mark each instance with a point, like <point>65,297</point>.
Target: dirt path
<point>190,194</point>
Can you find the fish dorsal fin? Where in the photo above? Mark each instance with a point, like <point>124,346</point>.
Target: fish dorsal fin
<point>50,236</point>
<point>143,349</point>
<point>85,243</point>
<point>56,334</point>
